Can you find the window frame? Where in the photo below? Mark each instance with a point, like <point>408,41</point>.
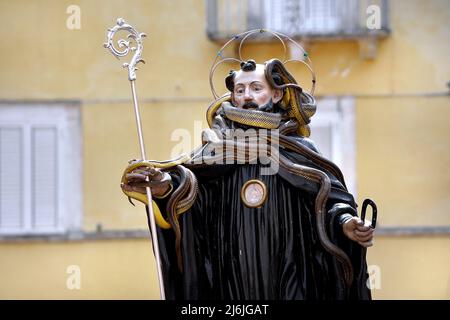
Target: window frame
<point>66,119</point>
<point>338,113</point>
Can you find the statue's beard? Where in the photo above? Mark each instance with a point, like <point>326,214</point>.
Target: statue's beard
<point>268,107</point>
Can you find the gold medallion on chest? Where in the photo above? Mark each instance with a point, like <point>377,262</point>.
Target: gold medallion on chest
<point>254,193</point>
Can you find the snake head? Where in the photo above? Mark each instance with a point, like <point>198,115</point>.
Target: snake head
<point>133,161</point>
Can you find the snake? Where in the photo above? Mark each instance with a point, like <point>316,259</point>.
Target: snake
<point>183,197</point>
<point>180,201</point>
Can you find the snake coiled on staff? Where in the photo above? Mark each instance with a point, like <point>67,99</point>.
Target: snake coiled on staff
<point>180,200</point>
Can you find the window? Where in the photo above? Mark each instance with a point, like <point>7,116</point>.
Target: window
<point>40,168</point>
<point>297,18</point>
<point>303,16</point>
<point>333,131</point>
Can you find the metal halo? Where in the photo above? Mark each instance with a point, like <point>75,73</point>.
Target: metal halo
<point>243,36</point>
<point>211,74</point>
<point>249,33</point>
<point>216,64</point>
<point>313,74</point>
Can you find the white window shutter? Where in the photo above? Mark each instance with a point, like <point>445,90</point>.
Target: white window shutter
<point>333,132</point>
<point>44,198</point>
<point>11,188</point>
<point>302,16</point>
<point>40,169</point>
<point>322,136</point>
<point>322,18</point>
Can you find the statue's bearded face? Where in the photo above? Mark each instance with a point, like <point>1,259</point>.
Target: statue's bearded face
<point>252,91</point>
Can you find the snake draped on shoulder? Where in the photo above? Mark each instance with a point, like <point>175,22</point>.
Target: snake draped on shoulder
<point>214,246</point>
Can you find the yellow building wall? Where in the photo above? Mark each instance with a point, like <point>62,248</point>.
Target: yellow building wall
<point>402,130</point>
<point>403,158</point>
<point>411,267</point>
<point>125,269</point>
<point>112,269</point>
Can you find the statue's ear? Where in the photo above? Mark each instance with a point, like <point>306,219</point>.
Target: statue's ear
<point>229,81</point>
<point>277,95</point>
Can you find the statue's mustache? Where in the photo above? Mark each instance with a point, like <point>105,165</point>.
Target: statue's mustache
<point>268,107</point>
<point>248,105</point>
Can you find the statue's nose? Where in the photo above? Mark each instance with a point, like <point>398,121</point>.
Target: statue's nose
<point>247,95</point>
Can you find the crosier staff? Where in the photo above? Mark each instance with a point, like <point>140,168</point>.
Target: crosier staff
<point>137,37</point>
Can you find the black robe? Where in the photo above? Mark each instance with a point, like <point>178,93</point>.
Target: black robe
<point>231,251</point>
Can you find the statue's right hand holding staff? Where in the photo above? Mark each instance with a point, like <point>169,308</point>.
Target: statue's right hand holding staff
<point>158,181</point>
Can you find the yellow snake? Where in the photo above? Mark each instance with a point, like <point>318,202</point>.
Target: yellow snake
<point>183,197</point>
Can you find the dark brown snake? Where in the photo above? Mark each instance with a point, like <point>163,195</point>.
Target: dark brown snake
<point>311,174</point>
<point>184,191</point>
<point>183,197</point>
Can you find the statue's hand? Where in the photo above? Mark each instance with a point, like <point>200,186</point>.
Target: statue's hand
<point>158,181</point>
<point>357,230</point>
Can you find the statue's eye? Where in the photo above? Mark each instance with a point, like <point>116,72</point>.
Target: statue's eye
<point>239,91</point>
